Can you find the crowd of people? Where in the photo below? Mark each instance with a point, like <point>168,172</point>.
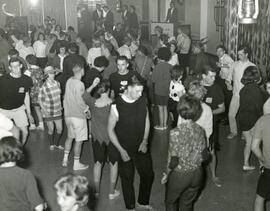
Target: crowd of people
<point>106,94</point>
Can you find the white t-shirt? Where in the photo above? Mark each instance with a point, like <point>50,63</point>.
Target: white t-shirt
<point>205,120</point>
<point>5,126</point>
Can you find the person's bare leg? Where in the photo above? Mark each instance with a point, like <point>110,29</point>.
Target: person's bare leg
<point>113,176</point>
<point>259,203</point>
<point>247,149</point>
<point>97,175</point>
<point>68,145</point>
<point>165,115</point>
<point>24,136</point>
<point>40,118</point>
<point>160,115</point>
<point>213,168</point>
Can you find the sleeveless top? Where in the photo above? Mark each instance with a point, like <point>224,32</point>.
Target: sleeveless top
<point>130,126</point>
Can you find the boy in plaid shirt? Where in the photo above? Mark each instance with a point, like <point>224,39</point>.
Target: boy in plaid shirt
<point>51,107</point>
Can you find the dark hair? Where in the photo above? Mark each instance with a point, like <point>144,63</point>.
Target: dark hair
<point>61,44</point>
<point>164,54</point>
<point>222,47</point>
<point>189,108</point>
<point>73,48</point>
<point>31,59</point>
<point>122,58</point>
<point>13,52</point>
<point>101,88</point>
<point>127,39</point>
<point>10,150</point>
<point>14,60</point>
<point>134,81</point>
<point>133,7</point>
<point>101,61</point>
<point>176,72</point>
<point>244,48</point>
<point>40,33</point>
<point>164,38</point>
<point>61,34</point>
<point>159,29</point>
<point>173,43</point>
<point>143,49</point>
<point>206,69</point>
<point>77,62</point>
<point>251,75</point>
<point>71,28</point>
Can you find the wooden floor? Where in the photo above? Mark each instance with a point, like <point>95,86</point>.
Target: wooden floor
<point>236,194</point>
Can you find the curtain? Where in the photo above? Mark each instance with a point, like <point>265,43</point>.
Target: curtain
<point>231,27</point>
<point>56,9</point>
<point>257,36</point>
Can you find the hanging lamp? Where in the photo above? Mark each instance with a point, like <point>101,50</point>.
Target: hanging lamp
<point>248,11</point>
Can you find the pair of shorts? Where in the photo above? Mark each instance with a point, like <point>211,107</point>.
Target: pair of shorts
<point>161,100</point>
<point>103,152</point>
<point>18,115</point>
<point>263,187</point>
<point>77,128</point>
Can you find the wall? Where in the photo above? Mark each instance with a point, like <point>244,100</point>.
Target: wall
<point>192,17</point>
<point>72,14</point>
<point>12,6</point>
<point>203,19</point>
<point>153,10</point>
<point>212,33</point>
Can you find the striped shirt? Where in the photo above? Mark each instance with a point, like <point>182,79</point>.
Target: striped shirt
<point>50,97</point>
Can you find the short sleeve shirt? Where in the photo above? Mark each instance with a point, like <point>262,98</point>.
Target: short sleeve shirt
<point>119,82</point>
<point>214,96</point>
<point>13,90</point>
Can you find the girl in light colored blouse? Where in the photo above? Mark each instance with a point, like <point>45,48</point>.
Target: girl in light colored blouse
<point>174,59</point>
<point>40,50</point>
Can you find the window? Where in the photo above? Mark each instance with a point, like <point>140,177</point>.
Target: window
<point>92,3</point>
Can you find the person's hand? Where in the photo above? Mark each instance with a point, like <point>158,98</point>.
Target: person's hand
<point>164,178</point>
<point>95,82</point>
<point>228,85</point>
<point>124,155</point>
<point>218,64</point>
<point>143,147</point>
<point>44,112</point>
<point>88,114</point>
<point>30,118</point>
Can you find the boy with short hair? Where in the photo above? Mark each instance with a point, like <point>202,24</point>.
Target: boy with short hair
<point>76,113</point>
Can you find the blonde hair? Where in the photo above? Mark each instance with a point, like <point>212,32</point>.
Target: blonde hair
<point>74,185</point>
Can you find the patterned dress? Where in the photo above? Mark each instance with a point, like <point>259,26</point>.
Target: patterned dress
<point>37,77</point>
